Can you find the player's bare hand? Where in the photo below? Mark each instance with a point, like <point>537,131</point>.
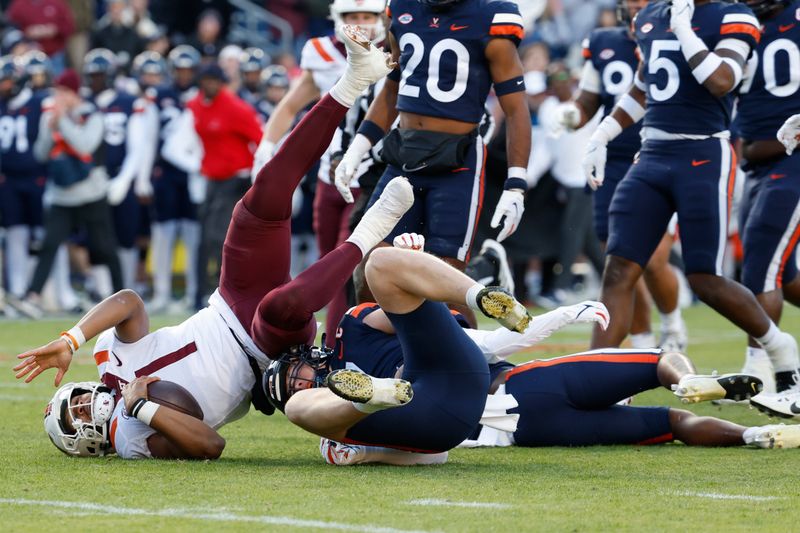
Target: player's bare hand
<point>789,134</point>
<point>56,354</point>
<point>588,312</point>
<point>136,389</point>
<point>509,209</point>
<point>409,241</point>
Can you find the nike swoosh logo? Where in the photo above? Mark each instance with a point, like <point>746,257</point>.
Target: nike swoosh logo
<point>787,27</point>
<point>119,363</point>
<point>585,307</point>
<point>520,82</point>
<point>406,169</point>
<point>776,176</point>
<point>453,27</point>
<point>696,163</point>
<point>794,408</point>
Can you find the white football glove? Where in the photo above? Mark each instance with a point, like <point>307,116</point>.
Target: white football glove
<point>264,153</point>
<point>118,190</point>
<point>346,170</point>
<point>588,312</point>
<point>680,14</point>
<point>594,163</point>
<point>509,209</point>
<point>789,134</point>
<point>567,117</point>
<point>409,241</point>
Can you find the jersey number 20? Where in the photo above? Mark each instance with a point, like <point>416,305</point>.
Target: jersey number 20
<point>434,63</point>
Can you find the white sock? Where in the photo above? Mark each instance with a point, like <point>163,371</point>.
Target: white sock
<point>472,296</point>
<point>102,280</point>
<point>17,239</point>
<point>162,245</point>
<point>783,355</point>
<point>128,262</point>
<point>190,235</point>
<point>756,353</point>
<point>671,321</point>
<point>643,340</point>
<point>390,456</point>
<point>749,435</point>
<point>770,336</point>
<point>60,274</point>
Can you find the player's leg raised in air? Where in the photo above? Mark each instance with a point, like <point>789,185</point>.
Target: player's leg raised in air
<point>256,255</point>
<point>448,373</point>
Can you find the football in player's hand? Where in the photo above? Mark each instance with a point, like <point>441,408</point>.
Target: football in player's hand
<point>174,396</point>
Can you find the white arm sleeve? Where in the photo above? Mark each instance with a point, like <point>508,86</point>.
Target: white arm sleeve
<point>183,147</point>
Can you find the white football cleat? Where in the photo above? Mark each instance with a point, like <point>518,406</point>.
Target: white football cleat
<point>694,388</point>
<point>378,393</point>
<point>499,304</point>
<point>784,404</point>
<point>761,367</point>
<point>380,219</point>
<point>777,436</point>
<point>366,64</point>
<point>336,453</point>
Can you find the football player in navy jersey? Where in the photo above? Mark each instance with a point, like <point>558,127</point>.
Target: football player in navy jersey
<point>692,62</point>
<point>38,70</point>
<point>251,63</point>
<point>771,217</point>
<point>175,212</point>
<point>128,153</point>
<point>450,54</point>
<point>274,86</point>
<point>22,177</point>
<point>611,62</point>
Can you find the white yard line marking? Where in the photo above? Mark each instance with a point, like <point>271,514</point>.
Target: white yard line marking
<point>719,496</point>
<point>432,502</point>
<point>23,398</point>
<point>83,508</point>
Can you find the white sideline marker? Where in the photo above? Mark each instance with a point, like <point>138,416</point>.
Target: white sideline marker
<point>433,502</point>
<point>719,496</point>
<point>84,508</point>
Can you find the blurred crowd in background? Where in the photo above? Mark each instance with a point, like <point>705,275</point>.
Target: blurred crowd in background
<point>162,235</point>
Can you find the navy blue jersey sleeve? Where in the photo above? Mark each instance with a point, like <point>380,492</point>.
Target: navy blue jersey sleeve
<point>739,22</point>
<point>506,22</point>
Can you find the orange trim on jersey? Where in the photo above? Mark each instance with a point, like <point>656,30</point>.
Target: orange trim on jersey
<point>666,437</point>
<point>738,27</point>
<point>731,181</point>
<point>321,51</point>
<point>360,308</point>
<point>388,12</point>
<point>507,29</point>
<point>480,206</point>
<point>101,357</point>
<point>787,253</point>
<point>587,53</point>
<point>648,358</point>
<point>112,433</point>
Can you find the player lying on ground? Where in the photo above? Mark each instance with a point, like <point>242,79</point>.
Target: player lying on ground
<point>447,371</point>
<point>257,311</point>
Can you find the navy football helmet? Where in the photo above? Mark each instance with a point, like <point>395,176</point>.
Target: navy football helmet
<point>100,61</point>
<point>253,60</point>
<point>275,76</point>
<point>184,56</point>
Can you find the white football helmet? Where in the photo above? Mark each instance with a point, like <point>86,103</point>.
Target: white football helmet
<point>86,439</point>
<point>339,8</point>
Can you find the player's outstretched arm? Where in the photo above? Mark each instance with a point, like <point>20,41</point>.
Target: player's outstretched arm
<point>123,311</point>
<point>506,70</point>
<point>179,436</point>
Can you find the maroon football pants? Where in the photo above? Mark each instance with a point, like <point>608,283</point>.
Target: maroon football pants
<point>255,281</point>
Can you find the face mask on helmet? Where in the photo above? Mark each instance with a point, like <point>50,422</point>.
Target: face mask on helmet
<point>302,367</point>
<point>340,8</point>
<point>764,9</point>
<point>68,430</point>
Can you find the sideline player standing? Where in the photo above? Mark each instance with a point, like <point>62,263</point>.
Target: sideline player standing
<point>692,60</point>
<point>450,53</point>
<point>771,218</point>
<point>611,63</point>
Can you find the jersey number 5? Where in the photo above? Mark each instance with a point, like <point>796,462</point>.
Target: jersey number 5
<point>434,67</point>
<point>658,62</point>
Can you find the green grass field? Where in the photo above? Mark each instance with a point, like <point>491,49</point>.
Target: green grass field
<point>271,476</point>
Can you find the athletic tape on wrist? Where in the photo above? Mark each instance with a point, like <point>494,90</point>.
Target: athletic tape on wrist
<point>145,411</point>
<point>691,44</point>
<point>736,68</point>
<point>633,108</point>
<point>371,131</point>
<point>706,68</point>
<point>607,131</point>
<point>74,337</point>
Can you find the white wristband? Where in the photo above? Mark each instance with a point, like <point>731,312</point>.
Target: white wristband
<point>607,131</point>
<point>147,411</point>
<point>517,172</point>
<point>706,68</point>
<point>633,108</point>
<point>736,68</point>
<point>691,44</point>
